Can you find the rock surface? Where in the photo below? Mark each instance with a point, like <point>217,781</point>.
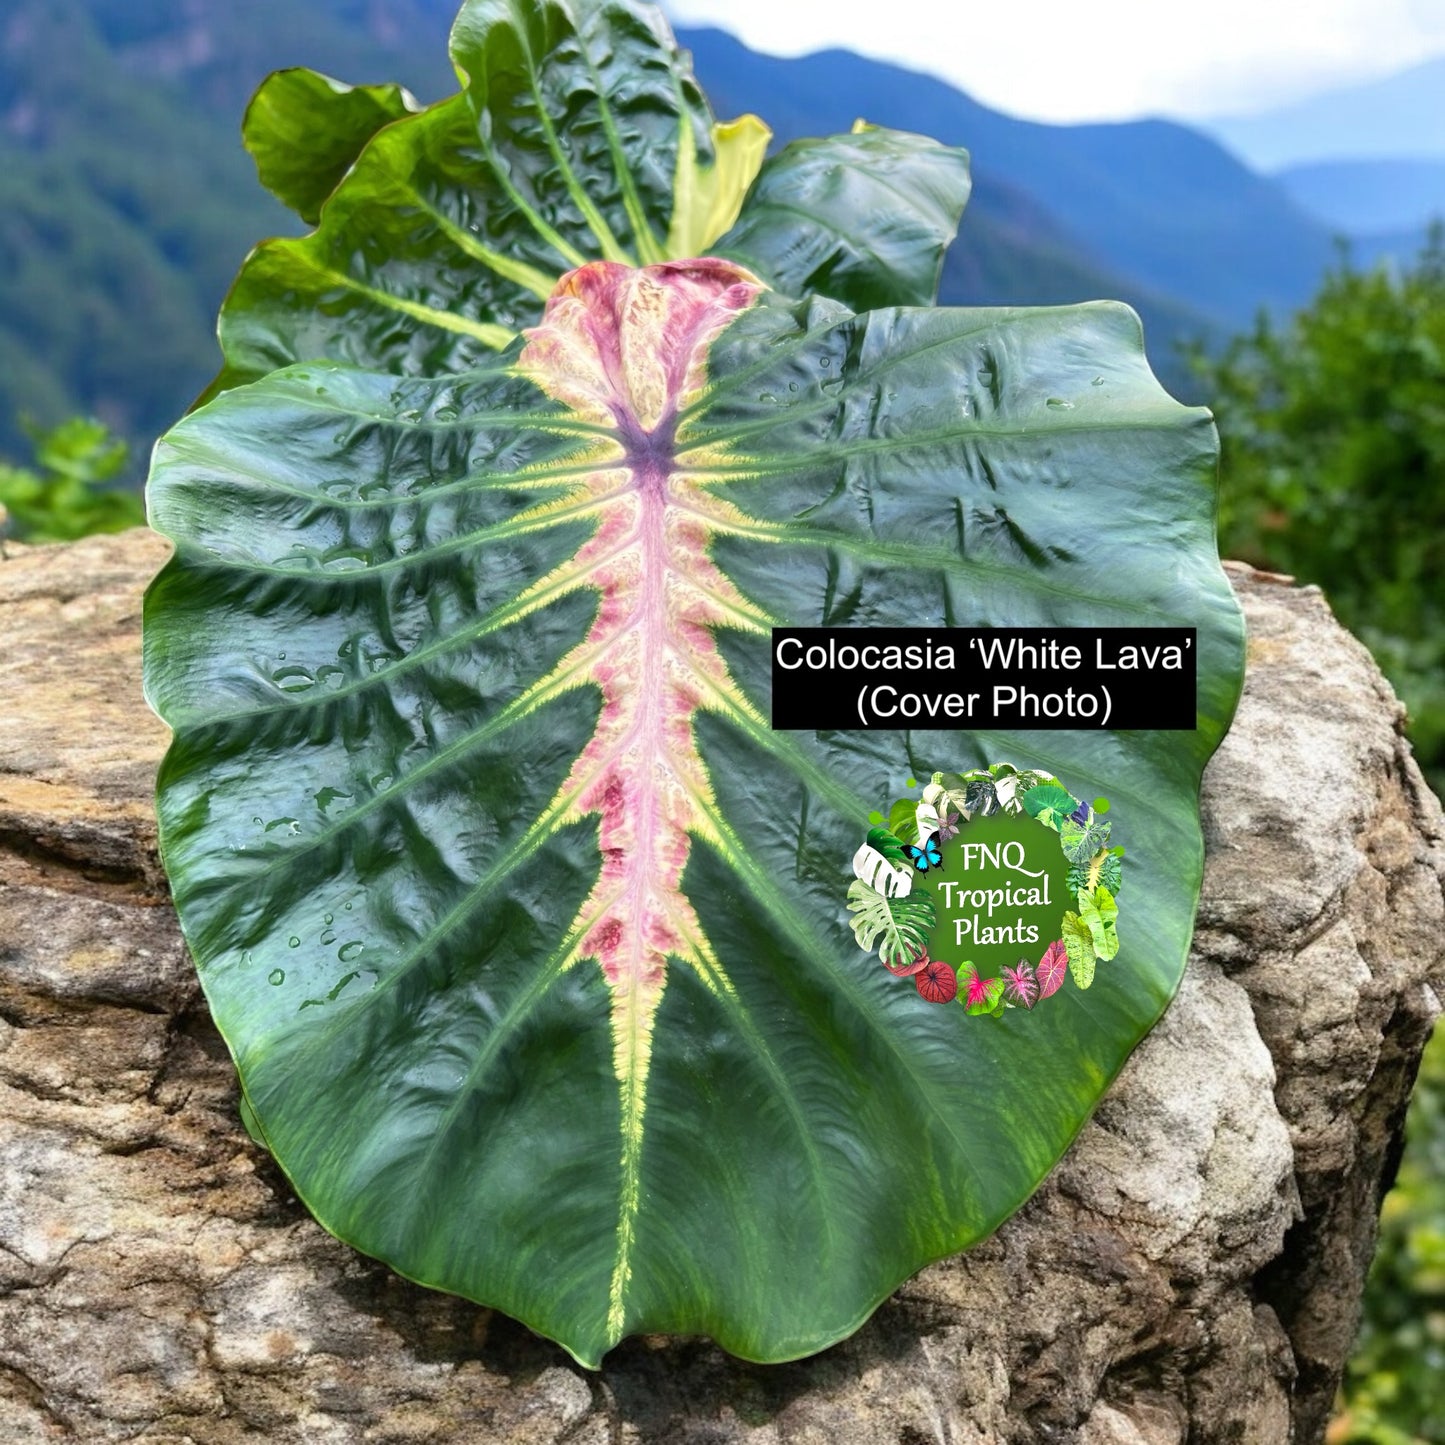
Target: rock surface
<point>1190,1273</point>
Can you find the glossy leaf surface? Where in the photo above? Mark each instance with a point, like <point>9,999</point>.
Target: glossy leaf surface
<point>528,935</point>
<point>880,208</point>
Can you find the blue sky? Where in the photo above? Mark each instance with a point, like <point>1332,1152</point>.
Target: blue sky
<point>1073,60</point>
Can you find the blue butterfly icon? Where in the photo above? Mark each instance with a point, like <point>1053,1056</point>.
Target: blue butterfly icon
<point>925,857</point>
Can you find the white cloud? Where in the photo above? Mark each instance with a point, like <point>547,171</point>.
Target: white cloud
<point>1071,60</point>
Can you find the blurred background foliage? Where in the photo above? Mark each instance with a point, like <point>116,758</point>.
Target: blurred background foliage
<point>1395,1390</point>
<point>1333,432</point>
<point>66,492</point>
<point>126,203</point>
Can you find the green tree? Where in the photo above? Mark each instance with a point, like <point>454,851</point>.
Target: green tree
<point>65,495</point>
<point>1395,1386</point>
<point>1333,428</point>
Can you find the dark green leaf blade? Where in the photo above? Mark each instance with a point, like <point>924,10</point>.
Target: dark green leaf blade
<point>863,218</point>
<point>407,852</point>
<point>305,130</point>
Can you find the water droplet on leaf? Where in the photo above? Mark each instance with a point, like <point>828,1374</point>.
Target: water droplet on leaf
<point>346,559</point>
<point>293,679</point>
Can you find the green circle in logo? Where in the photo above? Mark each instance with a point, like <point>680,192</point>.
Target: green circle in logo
<point>1000,894</point>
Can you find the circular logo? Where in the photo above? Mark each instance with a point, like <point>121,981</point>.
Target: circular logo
<point>992,888</point>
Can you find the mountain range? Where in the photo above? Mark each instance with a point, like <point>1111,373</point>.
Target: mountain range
<point>127,202</point>
<point>1400,116</point>
<point>1159,210</point>
<point>1368,160</point>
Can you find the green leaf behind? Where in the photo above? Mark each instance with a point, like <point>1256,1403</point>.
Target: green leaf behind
<point>305,130</point>
<point>580,134</point>
<point>450,228</point>
<point>863,218</point>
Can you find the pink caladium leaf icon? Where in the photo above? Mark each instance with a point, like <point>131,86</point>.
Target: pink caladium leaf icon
<point>1020,985</point>
<point>984,994</point>
<point>1053,967</point>
<point>947,826</point>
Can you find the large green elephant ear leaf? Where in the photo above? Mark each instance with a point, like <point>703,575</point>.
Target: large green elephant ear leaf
<point>529,937</point>
<point>580,134</point>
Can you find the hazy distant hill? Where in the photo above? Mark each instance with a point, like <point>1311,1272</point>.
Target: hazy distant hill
<point>1401,115</point>
<point>216,51</point>
<point>1370,197</point>
<point>122,214</point>
<point>1011,250</point>
<point>126,201</point>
